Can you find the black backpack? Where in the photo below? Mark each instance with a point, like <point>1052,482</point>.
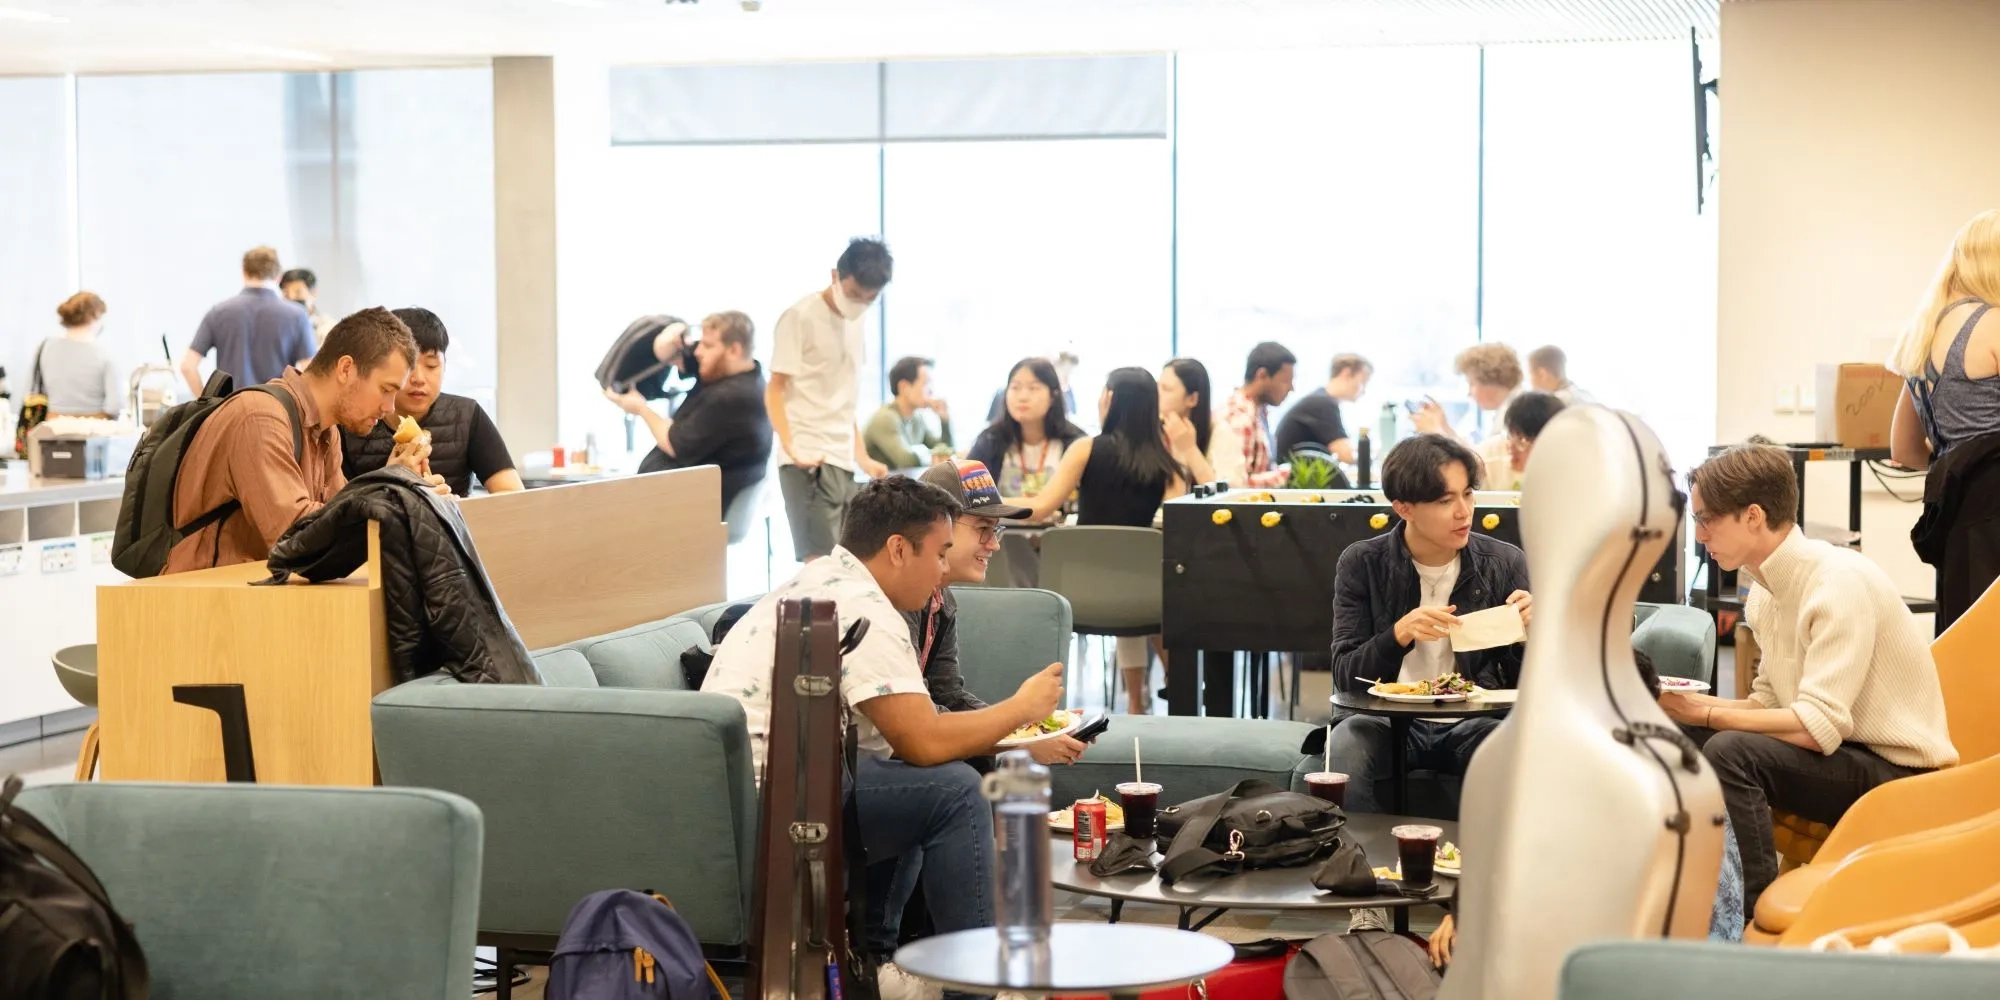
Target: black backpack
<point>1362,965</point>
<point>59,937</point>
<point>146,530</point>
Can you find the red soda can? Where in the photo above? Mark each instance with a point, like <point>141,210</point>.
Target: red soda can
<point>1089,831</point>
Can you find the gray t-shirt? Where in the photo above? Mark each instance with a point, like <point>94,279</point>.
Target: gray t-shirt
<point>80,378</point>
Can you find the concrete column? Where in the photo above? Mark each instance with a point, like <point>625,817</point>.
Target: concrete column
<point>550,134</point>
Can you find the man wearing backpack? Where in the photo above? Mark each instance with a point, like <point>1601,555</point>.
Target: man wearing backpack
<point>242,463</point>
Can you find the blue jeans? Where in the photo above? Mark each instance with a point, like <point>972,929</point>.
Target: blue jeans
<point>1361,749</point>
<point>929,823</point>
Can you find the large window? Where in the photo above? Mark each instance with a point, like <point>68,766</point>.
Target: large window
<point>37,252</point>
<point>1592,241</point>
<point>1011,249</point>
<point>1329,201</point>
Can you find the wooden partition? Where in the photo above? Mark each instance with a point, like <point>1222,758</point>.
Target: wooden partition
<point>568,562</point>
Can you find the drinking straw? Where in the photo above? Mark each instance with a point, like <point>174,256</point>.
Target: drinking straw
<point>1328,766</point>
<point>1137,775</point>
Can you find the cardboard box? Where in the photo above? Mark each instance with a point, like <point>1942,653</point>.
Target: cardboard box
<point>1855,404</point>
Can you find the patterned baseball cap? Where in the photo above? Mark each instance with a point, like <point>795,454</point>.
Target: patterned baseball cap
<point>975,489</point>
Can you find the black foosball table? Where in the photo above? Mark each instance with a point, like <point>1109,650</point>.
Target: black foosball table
<point>1250,570</point>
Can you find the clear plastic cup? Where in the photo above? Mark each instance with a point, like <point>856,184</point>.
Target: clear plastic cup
<point>1141,801</point>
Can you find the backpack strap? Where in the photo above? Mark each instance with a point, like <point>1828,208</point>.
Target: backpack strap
<point>1328,968</point>
<point>1188,853</point>
<point>35,387</point>
<point>1401,962</point>
<point>291,405</point>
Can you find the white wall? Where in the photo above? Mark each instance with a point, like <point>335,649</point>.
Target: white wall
<point>1856,136</point>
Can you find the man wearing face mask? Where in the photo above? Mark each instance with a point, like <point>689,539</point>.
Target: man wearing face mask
<point>817,355</point>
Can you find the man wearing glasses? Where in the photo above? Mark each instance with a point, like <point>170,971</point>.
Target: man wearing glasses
<point>975,536</point>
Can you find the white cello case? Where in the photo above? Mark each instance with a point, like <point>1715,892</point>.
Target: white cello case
<point>1573,830</point>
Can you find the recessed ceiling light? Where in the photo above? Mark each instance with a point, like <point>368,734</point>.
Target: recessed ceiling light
<point>271,52</point>
<point>39,17</point>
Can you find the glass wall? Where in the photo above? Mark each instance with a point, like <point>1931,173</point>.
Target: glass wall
<point>1329,201</point>
<point>37,251</point>
<point>381,182</point>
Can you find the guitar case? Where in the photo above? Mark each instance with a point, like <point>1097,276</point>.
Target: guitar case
<point>1588,815</point>
<point>807,930</point>
<point>631,364</point>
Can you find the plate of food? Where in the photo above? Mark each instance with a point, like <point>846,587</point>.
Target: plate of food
<point>1064,820</point>
<point>1685,685</point>
<point>1060,721</point>
<point>1446,687</point>
<point>1447,862</point>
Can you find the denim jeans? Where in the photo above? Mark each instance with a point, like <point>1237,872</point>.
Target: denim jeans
<point>1758,772</point>
<point>1361,748</point>
<point>928,823</point>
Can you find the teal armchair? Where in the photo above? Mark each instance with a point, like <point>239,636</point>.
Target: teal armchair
<point>1678,970</point>
<point>247,892</point>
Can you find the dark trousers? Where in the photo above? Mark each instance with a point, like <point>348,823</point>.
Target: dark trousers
<point>1759,773</point>
<point>1362,748</point>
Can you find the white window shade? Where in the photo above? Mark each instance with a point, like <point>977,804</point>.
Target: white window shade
<point>1104,97</point>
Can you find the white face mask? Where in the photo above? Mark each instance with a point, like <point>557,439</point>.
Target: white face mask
<point>848,308</point>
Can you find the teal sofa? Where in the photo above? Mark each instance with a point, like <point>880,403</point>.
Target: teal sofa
<point>248,892</point>
<point>615,776</point>
<point>1680,970</point>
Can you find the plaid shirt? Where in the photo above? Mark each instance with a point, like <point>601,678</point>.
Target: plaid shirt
<point>1240,449</point>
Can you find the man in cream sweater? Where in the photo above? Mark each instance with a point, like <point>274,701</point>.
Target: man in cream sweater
<point>1846,697</point>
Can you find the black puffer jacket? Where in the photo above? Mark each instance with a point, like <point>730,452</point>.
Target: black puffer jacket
<point>1375,584</point>
<point>1959,532</point>
<point>441,611</point>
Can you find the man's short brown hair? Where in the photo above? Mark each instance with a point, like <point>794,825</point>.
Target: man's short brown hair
<point>734,328</point>
<point>1344,363</point>
<point>261,264</point>
<point>1749,474</point>
<point>369,337</point>
<point>1490,364</point>
<point>1550,359</point>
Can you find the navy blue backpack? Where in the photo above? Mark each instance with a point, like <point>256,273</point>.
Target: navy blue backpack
<point>620,944</point>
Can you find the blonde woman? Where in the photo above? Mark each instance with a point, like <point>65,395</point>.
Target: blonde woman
<point>1949,412</point>
<point>75,371</point>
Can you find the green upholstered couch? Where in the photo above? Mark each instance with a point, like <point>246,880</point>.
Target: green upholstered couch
<point>248,892</point>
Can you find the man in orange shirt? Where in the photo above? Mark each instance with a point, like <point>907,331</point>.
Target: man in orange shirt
<point>244,452</point>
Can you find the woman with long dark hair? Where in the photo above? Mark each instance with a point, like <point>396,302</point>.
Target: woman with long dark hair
<point>1027,443</point>
<point>1121,477</point>
<point>1184,414</point>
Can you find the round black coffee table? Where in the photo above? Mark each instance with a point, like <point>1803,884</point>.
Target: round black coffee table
<point>1401,713</point>
<point>1120,959</point>
<point>1258,889</point>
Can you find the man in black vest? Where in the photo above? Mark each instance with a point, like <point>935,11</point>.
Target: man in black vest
<point>464,440</point>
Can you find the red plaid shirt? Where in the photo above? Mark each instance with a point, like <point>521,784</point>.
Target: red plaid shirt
<point>1240,449</point>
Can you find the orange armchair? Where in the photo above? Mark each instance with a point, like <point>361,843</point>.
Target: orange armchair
<point>1906,878</point>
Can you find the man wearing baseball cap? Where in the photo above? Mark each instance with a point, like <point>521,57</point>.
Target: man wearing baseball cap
<point>975,536</point>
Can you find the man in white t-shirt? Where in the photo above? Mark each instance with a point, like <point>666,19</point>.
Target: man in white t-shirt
<point>817,351</point>
<point>1396,598</point>
<point>916,795</point>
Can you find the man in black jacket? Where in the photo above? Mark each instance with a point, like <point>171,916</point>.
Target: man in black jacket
<point>1396,598</point>
<point>722,421</point>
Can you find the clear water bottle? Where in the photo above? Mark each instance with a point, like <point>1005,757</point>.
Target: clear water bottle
<point>1024,896</point>
<point>1385,430</point>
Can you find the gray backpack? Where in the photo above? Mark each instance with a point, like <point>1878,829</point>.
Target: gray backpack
<point>1363,965</point>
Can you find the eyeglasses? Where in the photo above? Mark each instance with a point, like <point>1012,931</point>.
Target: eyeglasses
<point>988,532</point>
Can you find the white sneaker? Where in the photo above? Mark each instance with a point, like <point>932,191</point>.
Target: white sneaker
<point>1374,918</point>
<point>895,984</point>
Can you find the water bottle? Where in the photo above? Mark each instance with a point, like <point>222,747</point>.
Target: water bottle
<point>1363,454</point>
<point>1385,429</point>
<point>1024,896</point>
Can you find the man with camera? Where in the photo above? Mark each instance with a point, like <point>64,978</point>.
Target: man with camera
<point>722,420</point>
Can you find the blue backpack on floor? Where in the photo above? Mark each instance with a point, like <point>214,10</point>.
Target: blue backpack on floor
<point>619,944</point>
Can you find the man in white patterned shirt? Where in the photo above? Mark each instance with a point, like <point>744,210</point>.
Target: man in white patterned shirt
<point>1240,448</point>
<point>912,786</point>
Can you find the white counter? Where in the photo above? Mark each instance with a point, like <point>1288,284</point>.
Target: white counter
<point>55,549</point>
